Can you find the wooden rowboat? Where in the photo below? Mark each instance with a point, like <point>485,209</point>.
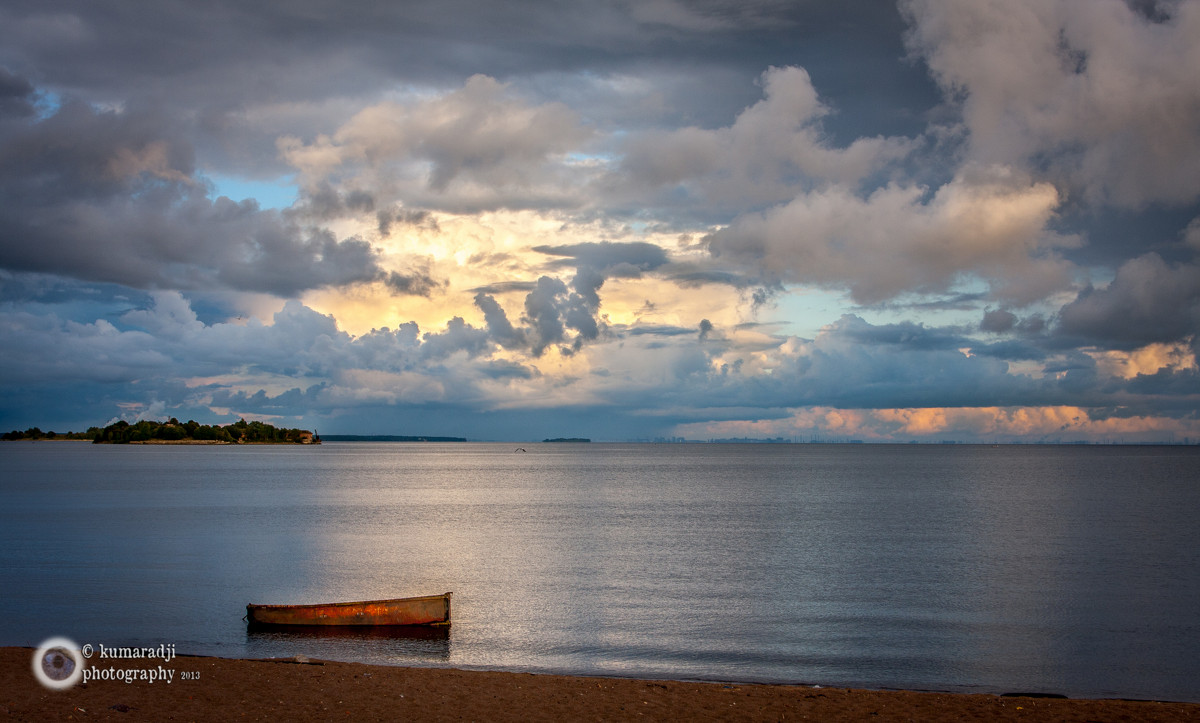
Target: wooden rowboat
<point>429,610</point>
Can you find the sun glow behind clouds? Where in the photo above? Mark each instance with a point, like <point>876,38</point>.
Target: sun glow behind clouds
<point>498,252</point>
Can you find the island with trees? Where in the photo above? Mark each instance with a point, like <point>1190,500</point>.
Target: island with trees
<point>176,432</point>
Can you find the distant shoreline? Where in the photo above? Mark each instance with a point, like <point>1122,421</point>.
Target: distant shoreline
<point>173,442</point>
<point>387,438</point>
<point>48,439</point>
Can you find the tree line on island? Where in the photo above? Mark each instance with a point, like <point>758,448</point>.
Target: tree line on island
<point>174,431</point>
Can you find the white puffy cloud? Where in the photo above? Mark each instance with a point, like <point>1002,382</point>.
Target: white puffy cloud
<point>772,148</point>
<point>475,147</point>
<point>992,226</point>
<point>1100,97</point>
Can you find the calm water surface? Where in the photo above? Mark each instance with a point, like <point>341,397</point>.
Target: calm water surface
<point>1044,569</point>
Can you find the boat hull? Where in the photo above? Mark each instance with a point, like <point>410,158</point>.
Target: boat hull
<point>428,610</point>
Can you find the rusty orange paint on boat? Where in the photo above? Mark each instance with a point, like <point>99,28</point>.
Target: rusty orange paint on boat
<point>428,610</point>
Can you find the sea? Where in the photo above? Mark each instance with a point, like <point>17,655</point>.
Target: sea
<point>1071,570</point>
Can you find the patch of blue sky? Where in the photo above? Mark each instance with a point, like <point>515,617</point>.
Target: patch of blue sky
<point>802,310</point>
<point>589,159</point>
<point>47,104</point>
<point>214,308</point>
<point>278,193</point>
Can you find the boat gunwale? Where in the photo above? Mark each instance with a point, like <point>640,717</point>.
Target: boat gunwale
<point>395,599</point>
<point>443,596</point>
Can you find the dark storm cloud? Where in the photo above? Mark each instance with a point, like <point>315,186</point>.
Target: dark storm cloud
<point>325,48</point>
<point>1011,350</point>
<point>415,283</point>
<point>942,302</point>
<point>1167,386</point>
<point>582,305</point>
<point>613,259</point>
<point>998,321</point>
<point>1148,301</point>
<point>325,202</point>
<point>1032,324</point>
<point>543,313</point>
<point>498,325</point>
<point>247,73</point>
<point>659,330</point>
<point>458,336</point>
<point>405,217</point>
<point>550,310</point>
<point>1001,321</point>
<point>505,287</point>
<point>907,334</point>
<point>114,197</point>
<point>498,369</point>
<point>262,403</point>
<point>700,278</point>
<point>16,95</point>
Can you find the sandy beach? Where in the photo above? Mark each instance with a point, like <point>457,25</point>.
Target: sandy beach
<point>218,689</point>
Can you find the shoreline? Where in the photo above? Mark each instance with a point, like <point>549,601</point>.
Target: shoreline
<point>207,688</point>
<point>174,442</point>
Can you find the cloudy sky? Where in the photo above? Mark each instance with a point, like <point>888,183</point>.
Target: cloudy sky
<point>975,220</point>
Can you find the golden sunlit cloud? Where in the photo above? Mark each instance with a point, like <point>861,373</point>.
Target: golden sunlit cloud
<point>461,254</point>
<point>1050,423</point>
<point>1148,360</point>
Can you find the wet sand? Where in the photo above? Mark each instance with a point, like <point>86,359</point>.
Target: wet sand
<point>270,690</point>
